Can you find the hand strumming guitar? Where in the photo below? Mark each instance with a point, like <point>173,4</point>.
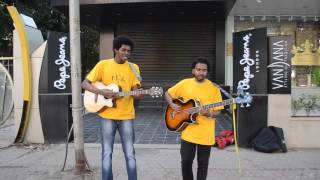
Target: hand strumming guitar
<point>175,106</point>
<point>107,93</point>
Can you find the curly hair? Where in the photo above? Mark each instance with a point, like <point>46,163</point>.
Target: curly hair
<point>202,61</point>
<point>122,40</point>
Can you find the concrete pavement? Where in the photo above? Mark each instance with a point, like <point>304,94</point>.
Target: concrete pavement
<point>154,161</point>
<point>157,162</point>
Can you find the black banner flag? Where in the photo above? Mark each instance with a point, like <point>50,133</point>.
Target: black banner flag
<point>279,66</point>
<point>250,61</point>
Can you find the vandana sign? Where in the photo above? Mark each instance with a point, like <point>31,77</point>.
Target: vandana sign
<point>58,63</point>
<point>279,67</point>
<point>250,61</point>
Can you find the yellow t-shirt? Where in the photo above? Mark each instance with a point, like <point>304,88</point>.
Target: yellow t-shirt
<point>206,93</point>
<point>107,72</point>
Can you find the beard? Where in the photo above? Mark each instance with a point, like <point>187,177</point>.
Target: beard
<point>199,78</point>
<point>122,59</point>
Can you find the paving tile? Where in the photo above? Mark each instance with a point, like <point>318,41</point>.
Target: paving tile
<point>150,128</point>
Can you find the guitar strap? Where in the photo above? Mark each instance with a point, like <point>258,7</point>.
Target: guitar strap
<point>234,106</point>
<point>223,91</point>
<point>135,71</point>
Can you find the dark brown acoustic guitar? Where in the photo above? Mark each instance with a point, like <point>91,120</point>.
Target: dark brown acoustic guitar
<point>179,120</point>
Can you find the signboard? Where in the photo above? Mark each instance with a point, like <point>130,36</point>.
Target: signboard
<point>279,65</point>
<point>59,77</point>
<point>250,61</point>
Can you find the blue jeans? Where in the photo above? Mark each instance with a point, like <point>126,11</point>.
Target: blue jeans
<point>108,132</point>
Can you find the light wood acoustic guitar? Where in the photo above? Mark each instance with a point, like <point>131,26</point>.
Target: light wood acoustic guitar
<point>179,120</point>
<point>95,102</point>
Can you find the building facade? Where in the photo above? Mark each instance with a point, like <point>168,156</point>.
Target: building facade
<point>169,35</point>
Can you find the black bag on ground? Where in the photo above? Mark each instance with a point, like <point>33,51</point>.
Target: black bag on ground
<point>269,139</point>
<point>280,137</point>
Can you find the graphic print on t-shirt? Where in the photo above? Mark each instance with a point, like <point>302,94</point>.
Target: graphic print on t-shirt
<point>118,78</point>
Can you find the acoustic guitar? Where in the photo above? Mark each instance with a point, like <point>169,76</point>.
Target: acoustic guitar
<point>179,120</point>
<point>95,102</point>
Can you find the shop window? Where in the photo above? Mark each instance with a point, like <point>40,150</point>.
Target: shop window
<point>306,71</point>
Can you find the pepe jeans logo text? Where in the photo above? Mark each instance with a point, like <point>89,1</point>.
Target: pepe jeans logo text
<point>247,62</point>
<point>63,63</point>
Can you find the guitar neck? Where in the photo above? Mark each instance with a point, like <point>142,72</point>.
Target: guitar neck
<point>208,106</point>
<point>133,93</point>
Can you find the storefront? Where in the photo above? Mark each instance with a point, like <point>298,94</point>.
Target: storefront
<point>169,35</point>
<point>297,109</point>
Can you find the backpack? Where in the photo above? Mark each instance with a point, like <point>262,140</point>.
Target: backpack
<point>280,136</point>
<point>269,139</point>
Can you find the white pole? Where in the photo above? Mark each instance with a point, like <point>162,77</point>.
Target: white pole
<point>75,54</point>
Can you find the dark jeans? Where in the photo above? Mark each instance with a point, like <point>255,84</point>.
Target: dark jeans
<point>188,152</point>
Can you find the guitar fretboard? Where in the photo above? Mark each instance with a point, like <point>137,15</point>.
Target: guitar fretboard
<point>208,106</point>
<point>133,93</point>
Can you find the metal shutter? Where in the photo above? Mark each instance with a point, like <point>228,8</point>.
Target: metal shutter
<point>164,51</point>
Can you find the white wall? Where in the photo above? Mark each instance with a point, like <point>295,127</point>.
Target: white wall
<point>228,57</point>
<point>34,132</point>
<point>298,131</point>
<point>106,39</point>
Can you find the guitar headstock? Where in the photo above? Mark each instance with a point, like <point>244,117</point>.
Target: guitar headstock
<point>156,91</point>
<point>243,98</point>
